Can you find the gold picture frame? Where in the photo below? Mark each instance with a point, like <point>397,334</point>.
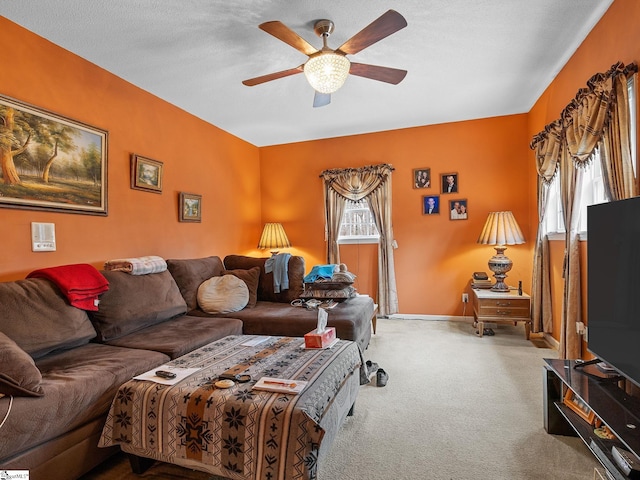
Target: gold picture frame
<point>421,178</point>
<point>458,209</point>
<point>52,162</point>
<point>449,182</point>
<point>190,207</point>
<point>431,205</point>
<point>576,404</point>
<point>146,174</point>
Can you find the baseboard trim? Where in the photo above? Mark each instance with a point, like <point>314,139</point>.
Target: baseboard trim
<point>431,318</point>
<point>551,341</point>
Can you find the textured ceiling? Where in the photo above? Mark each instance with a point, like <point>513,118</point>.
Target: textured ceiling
<point>466,58</point>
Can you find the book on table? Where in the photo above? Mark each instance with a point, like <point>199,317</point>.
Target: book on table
<point>280,385</point>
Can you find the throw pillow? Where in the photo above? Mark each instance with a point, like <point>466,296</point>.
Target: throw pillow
<point>224,294</point>
<point>251,277</point>
<point>19,375</point>
<point>190,273</point>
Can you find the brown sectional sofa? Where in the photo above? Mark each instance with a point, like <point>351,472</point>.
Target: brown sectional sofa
<point>273,313</point>
<point>63,365</point>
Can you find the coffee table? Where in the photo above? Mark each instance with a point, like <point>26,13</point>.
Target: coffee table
<point>240,433</point>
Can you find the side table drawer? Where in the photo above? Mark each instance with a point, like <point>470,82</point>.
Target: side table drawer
<point>504,303</point>
<point>504,308</point>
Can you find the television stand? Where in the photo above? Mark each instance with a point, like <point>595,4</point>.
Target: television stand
<point>610,404</point>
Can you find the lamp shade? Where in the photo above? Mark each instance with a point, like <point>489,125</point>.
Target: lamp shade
<point>327,72</point>
<point>501,228</point>
<point>273,236</point>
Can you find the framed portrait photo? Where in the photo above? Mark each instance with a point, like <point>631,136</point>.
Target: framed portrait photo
<point>431,205</point>
<point>458,209</point>
<point>190,207</point>
<point>576,404</point>
<point>421,178</point>
<point>146,174</point>
<point>449,182</point>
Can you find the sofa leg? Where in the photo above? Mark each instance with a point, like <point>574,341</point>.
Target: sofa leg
<point>139,465</point>
<point>351,410</point>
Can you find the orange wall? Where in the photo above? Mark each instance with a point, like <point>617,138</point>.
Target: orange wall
<point>436,256</point>
<point>615,38</point>
<point>198,158</point>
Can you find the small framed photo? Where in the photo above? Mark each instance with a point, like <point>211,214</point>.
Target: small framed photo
<point>576,404</point>
<point>431,205</point>
<point>458,209</point>
<point>421,178</point>
<point>449,182</point>
<point>146,174</point>
<point>190,207</point>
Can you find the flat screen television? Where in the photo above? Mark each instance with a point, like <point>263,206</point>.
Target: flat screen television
<point>613,276</point>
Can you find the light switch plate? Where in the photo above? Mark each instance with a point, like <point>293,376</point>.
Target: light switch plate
<point>43,237</point>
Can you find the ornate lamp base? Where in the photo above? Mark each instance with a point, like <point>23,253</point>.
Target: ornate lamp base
<point>500,264</point>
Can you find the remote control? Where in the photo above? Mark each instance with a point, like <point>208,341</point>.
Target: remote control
<point>165,374</point>
<point>627,461</point>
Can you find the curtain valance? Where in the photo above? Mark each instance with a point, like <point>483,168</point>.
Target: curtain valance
<point>583,122</point>
<point>356,183</point>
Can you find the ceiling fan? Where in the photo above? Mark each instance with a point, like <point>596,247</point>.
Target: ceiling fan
<point>326,69</point>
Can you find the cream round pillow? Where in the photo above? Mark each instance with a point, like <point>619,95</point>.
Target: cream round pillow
<point>223,294</point>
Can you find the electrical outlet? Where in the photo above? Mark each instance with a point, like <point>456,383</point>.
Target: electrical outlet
<point>465,298</point>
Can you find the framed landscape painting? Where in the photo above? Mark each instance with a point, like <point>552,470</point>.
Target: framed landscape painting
<point>49,162</point>
<point>146,174</point>
<point>190,207</point>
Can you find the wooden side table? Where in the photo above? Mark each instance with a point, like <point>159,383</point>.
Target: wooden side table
<point>498,307</point>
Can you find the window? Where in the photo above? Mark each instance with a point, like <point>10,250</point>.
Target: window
<point>357,224</point>
<point>592,182</point>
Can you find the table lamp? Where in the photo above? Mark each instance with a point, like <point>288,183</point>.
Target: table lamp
<point>273,237</point>
<point>500,229</point>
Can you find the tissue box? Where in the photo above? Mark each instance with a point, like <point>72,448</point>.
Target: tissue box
<point>314,339</point>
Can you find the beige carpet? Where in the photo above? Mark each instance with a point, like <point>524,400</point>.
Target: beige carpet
<point>456,407</point>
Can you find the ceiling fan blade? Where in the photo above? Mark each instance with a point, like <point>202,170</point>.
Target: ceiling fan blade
<point>382,74</point>
<point>321,99</point>
<point>288,36</point>
<point>272,76</point>
<point>387,24</point>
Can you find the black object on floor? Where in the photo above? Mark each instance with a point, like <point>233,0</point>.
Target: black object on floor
<point>367,371</point>
<point>486,331</point>
<point>381,378</point>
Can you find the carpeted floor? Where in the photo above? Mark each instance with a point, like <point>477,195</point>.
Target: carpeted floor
<point>456,407</point>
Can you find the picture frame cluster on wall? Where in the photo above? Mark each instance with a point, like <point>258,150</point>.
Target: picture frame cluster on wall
<point>147,175</point>
<point>458,208</point>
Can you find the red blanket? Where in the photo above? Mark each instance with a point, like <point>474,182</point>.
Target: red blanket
<point>81,283</point>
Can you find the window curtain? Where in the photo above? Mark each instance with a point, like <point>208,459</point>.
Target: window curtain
<point>570,182</point>
<point>372,183</point>
<point>594,118</point>
<point>615,151</point>
<point>547,147</point>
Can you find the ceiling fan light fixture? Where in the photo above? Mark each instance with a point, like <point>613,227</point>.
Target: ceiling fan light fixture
<point>327,72</point>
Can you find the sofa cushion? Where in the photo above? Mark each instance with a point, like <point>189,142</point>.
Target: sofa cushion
<point>134,302</point>
<point>223,294</point>
<point>38,317</point>
<point>190,273</point>
<point>79,385</point>
<point>19,375</point>
<point>295,271</point>
<point>181,335</point>
<point>251,277</point>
